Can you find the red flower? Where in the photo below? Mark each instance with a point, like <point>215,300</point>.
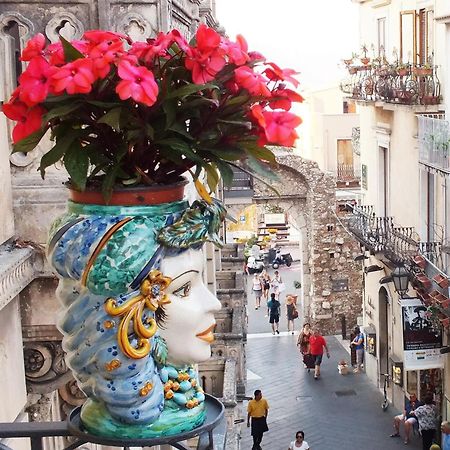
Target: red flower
<point>35,81</point>
<point>254,82</point>
<point>285,99</point>
<point>55,52</point>
<point>34,47</point>
<point>28,120</point>
<point>137,83</point>
<point>256,56</point>
<point>207,59</point>
<point>280,127</point>
<point>99,36</point>
<point>237,51</point>
<point>208,39</point>
<point>75,77</point>
<point>274,73</point>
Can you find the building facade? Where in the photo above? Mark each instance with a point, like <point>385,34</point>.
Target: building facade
<point>402,221</point>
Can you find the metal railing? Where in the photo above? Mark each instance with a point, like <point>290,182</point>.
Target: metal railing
<point>413,85</point>
<point>345,172</point>
<point>434,142</point>
<point>381,235</point>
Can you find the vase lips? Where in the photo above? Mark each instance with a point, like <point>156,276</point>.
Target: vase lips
<point>145,195</point>
<point>207,335</point>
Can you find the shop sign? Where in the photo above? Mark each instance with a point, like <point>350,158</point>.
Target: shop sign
<point>421,342</point>
<point>340,285</point>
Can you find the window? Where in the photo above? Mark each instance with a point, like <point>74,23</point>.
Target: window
<point>416,36</point>
<point>381,27</point>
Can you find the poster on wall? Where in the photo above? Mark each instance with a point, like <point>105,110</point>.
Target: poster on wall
<point>421,342</point>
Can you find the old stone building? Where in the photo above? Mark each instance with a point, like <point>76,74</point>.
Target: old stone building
<point>331,277</point>
<point>36,385</point>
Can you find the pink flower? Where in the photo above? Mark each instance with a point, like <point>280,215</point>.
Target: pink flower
<point>208,39</point>
<point>137,83</point>
<point>254,82</point>
<point>35,81</point>
<point>75,77</point>
<point>237,51</point>
<point>283,98</point>
<point>274,73</point>
<point>28,120</point>
<point>280,127</point>
<point>103,54</point>
<point>35,47</point>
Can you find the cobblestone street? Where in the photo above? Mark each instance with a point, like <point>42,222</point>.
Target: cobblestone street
<point>336,412</point>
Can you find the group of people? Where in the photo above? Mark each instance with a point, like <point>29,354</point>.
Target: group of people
<point>423,415</point>
<point>257,411</point>
<point>269,289</point>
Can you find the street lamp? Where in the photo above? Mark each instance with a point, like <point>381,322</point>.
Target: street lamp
<point>400,278</point>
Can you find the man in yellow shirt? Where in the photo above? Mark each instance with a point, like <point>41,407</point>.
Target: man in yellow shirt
<point>257,410</point>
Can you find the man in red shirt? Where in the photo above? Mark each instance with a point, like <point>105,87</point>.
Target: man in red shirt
<point>316,345</point>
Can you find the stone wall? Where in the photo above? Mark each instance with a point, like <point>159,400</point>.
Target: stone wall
<point>332,279</point>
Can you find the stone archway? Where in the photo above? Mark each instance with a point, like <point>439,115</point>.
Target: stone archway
<point>332,282</point>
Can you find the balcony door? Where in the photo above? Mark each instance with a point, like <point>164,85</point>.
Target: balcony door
<point>383,181</point>
<point>345,169</point>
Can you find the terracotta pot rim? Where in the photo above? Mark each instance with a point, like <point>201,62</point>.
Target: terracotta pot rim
<point>131,196</point>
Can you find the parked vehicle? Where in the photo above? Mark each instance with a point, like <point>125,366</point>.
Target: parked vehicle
<point>280,259</point>
<point>254,265</point>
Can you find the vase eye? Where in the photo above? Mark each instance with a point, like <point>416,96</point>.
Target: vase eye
<point>184,290</point>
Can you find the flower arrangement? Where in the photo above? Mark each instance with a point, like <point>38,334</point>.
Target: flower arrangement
<point>128,113</point>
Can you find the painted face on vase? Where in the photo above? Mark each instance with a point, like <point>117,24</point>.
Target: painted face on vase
<point>189,323</point>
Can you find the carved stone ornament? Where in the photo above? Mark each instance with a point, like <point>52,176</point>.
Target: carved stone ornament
<point>64,24</point>
<point>45,368</point>
<point>136,26</point>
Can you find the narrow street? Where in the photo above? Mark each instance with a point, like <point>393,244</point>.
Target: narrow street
<point>336,412</point>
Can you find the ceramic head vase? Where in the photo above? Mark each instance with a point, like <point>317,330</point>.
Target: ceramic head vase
<point>137,316</point>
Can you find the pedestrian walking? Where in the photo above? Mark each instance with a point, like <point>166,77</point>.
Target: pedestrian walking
<point>265,279</point>
<point>358,344</point>
<point>257,411</point>
<point>277,284</point>
<point>408,419</point>
<point>303,344</point>
<point>291,311</point>
<point>445,429</point>
<point>274,307</point>
<point>299,443</point>
<point>316,345</point>
<point>427,416</point>
<point>257,290</point>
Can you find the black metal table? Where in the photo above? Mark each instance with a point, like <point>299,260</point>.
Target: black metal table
<point>35,431</point>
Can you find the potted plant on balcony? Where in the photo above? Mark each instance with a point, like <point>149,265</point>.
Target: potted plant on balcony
<point>402,69</point>
<point>127,120</point>
<point>364,58</point>
<point>442,281</point>
<point>423,70</point>
<point>420,261</point>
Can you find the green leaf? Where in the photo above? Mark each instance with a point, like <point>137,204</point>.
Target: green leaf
<point>226,172</point>
<point>180,128</point>
<point>190,89</point>
<point>170,108</point>
<point>108,182</point>
<point>239,100</point>
<point>103,104</point>
<point>70,52</point>
<point>62,110</point>
<point>224,153</point>
<point>29,143</point>
<point>112,118</point>
<point>57,152</point>
<point>260,153</point>
<point>239,123</point>
<point>76,161</point>
<point>182,147</point>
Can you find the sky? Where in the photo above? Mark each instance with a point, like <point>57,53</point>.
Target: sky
<point>310,36</point>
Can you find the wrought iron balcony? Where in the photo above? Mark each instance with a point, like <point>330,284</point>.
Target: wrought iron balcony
<point>413,85</point>
<point>434,141</point>
<point>380,235</point>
